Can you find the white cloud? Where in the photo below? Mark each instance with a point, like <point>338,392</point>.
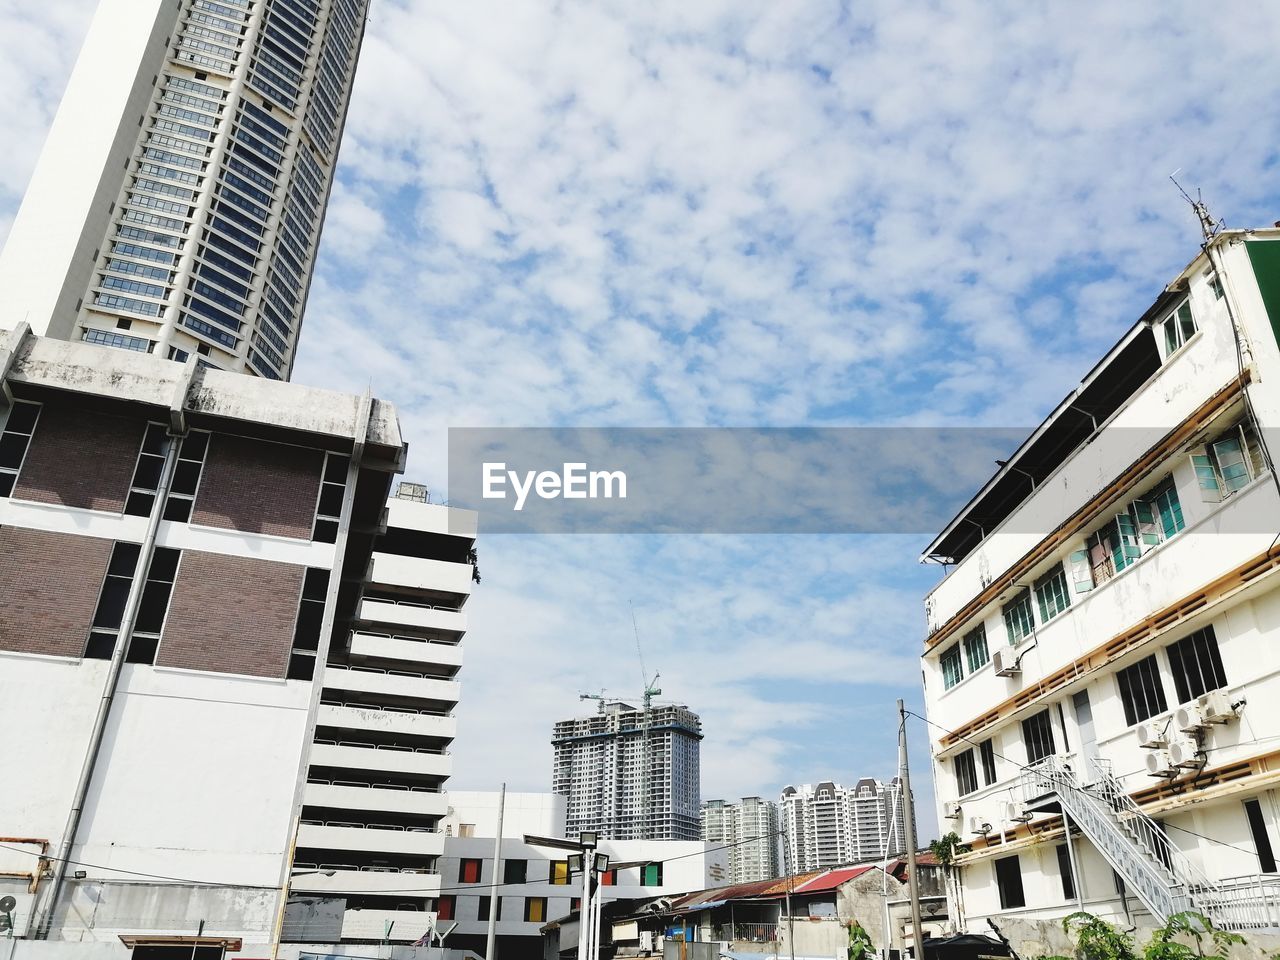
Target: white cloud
<point>739,213</point>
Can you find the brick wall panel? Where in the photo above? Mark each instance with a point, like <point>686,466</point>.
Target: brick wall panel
<point>259,487</point>
<point>49,586</point>
<point>231,615</point>
<point>80,458</point>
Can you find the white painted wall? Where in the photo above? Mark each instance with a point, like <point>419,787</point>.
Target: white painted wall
<point>195,779</point>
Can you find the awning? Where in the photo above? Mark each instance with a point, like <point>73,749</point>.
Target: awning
<point>174,940</point>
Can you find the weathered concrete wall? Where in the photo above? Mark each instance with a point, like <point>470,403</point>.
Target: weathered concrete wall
<point>1045,938</point>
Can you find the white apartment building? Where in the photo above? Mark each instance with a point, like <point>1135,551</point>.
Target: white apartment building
<point>749,831</point>
<point>218,639</point>
<point>627,786</point>
<point>1098,650</point>
<point>827,824</point>
<point>535,884</point>
<point>177,203</point>
<point>372,828</point>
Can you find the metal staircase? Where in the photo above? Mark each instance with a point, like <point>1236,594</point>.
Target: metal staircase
<point>1154,868</point>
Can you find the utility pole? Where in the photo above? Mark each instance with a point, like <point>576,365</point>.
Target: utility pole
<point>791,923</point>
<point>909,823</point>
<point>497,871</point>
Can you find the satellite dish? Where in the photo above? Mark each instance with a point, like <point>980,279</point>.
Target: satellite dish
<point>7,904</point>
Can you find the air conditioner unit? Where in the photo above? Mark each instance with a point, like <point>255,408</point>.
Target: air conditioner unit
<point>1188,719</point>
<point>1151,734</point>
<point>1159,764</point>
<point>1215,707</point>
<point>978,825</point>
<point>1185,753</point>
<point>951,810</point>
<point>1005,662</point>
<point>1016,812</point>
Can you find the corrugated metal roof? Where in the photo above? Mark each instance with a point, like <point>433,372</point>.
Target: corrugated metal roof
<point>832,879</point>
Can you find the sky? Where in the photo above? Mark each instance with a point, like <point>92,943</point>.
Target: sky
<point>709,213</point>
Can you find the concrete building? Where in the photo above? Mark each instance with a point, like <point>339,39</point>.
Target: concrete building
<point>827,824</point>
<point>751,919</point>
<point>535,885</point>
<point>624,785</point>
<point>195,670</point>
<point>1099,650</point>
<point>749,830</point>
<point>177,203</point>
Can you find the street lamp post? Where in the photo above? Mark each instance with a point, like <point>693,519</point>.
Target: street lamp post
<point>591,864</point>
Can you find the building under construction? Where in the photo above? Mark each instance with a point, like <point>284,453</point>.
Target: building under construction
<point>624,783</point>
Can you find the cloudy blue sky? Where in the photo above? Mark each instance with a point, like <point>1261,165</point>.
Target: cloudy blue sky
<point>715,213</point>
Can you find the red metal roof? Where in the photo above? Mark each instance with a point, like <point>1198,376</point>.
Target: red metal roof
<point>832,879</point>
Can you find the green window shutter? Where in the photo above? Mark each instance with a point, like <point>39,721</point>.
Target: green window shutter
<point>1206,478</point>
<point>1232,466</point>
<point>1081,573</point>
<point>1169,508</point>
<point>1148,530</point>
<point>1125,548</point>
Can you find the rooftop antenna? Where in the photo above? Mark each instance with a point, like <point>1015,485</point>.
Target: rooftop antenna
<point>1208,226</point>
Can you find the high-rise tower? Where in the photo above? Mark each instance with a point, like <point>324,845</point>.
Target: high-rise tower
<point>177,204</point>
<point>601,767</point>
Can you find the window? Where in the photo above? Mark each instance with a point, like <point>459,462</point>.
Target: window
<point>514,871</point>
<point>1261,838</point>
<point>1167,510</point>
<point>147,471</point>
<point>1141,691</point>
<point>468,871</point>
<point>108,338</point>
<point>186,476</point>
<point>966,773</point>
<point>483,912</point>
<point>307,628</point>
<point>1064,871</point>
<point>1018,619</point>
<point>651,875</point>
<point>609,878</point>
<point>1227,464</point>
<point>951,671</point>
<point>111,601</point>
<point>329,503</point>
<point>559,873</point>
<point>153,607</point>
<point>446,907</point>
<point>1196,665</point>
<point>1009,883</point>
<point>466,829</point>
<point>1175,329</point>
<point>18,428</point>
<point>535,909</point>
<point>1051,594</point>
<point>987,752</point>
<point>1037,734</point>
<point>975,648</point>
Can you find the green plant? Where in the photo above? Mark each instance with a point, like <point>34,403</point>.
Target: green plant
<point>1096,939</point>
<point>860,945</point>
<point>946,849</point>
<point>1197,926</point>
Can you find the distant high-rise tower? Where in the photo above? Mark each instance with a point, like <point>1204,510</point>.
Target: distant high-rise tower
<point>600,767</point>
<point>177,203</point>
<point>828,824</point>
<point>750,830</point>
